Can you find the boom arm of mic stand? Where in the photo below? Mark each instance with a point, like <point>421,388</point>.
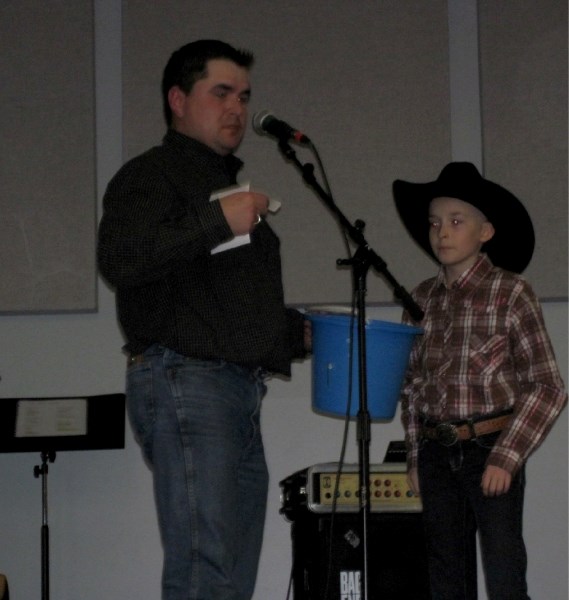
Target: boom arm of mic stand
<point>355,234</point>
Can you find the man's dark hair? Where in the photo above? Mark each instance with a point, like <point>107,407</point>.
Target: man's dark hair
<point>188,64</point>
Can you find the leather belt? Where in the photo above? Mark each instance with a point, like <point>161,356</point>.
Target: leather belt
<point>135,359</point>
<point>448,433</point>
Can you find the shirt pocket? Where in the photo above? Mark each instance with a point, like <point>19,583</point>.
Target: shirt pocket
<point>486,356</point>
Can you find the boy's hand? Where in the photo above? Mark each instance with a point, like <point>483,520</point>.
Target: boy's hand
<point>308,335</point>
<point>495,481</point>
<point>413,481</point>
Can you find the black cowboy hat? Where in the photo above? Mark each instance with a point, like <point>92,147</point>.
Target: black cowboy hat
<point>512,245</point>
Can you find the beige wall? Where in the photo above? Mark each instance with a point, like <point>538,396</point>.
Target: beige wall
<point>104,539</point>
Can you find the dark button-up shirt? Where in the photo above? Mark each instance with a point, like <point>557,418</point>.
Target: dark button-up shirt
<point>155,241</point>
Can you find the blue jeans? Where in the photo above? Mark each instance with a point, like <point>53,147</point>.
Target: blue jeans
<point>198,423</point>
<point>454,509</point>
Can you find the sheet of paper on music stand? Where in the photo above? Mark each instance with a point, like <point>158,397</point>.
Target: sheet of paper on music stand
<point>51,418</point>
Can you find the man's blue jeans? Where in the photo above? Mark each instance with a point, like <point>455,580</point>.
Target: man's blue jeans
<point>198,423</point>
<point>454,508</point>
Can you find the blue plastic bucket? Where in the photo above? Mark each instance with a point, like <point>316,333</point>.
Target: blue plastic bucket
<point>388,347</point>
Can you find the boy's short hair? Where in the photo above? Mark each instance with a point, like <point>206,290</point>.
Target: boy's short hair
<point>188,64</point>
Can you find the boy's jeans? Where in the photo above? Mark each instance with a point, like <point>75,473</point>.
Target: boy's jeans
<point>198,425</point>
<point>454,508</point>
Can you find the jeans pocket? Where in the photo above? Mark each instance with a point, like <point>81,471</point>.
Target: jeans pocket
<point>140,403</point>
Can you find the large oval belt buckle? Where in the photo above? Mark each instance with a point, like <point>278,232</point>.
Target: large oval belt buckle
<point>446,434</point>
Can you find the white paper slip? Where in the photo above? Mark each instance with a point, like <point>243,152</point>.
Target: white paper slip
<point>238,240</point>
<point>274,205</point>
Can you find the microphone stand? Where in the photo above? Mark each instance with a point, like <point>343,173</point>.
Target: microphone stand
<point>363,259</point>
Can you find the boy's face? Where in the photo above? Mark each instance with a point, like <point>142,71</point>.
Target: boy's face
<point>215,110</point>
<point>457,231</point>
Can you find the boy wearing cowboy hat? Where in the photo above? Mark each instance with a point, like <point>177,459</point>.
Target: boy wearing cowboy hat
<point>482,388</point>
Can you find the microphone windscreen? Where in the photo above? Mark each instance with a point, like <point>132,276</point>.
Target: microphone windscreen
<point>258,119</point>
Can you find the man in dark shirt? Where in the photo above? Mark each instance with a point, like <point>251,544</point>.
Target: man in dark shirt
<point>204,324</point>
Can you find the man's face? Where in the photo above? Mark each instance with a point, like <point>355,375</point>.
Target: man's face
<point>215,111</point>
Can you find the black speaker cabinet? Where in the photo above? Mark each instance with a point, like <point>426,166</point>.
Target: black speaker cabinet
<point>328,551</point>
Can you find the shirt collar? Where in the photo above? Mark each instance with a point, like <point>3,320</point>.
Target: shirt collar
<point>471,278</point>
<point>192,148</point>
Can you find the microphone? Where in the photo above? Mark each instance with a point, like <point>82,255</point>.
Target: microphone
<point>265,122</point>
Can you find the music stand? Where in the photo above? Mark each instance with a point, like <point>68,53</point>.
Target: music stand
<point>48,425</point>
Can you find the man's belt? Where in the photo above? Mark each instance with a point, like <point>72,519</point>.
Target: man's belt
<point>448,433</point>
<point>135,359</point>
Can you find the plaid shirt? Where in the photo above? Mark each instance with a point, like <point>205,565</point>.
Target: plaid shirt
<point>485,349</point>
